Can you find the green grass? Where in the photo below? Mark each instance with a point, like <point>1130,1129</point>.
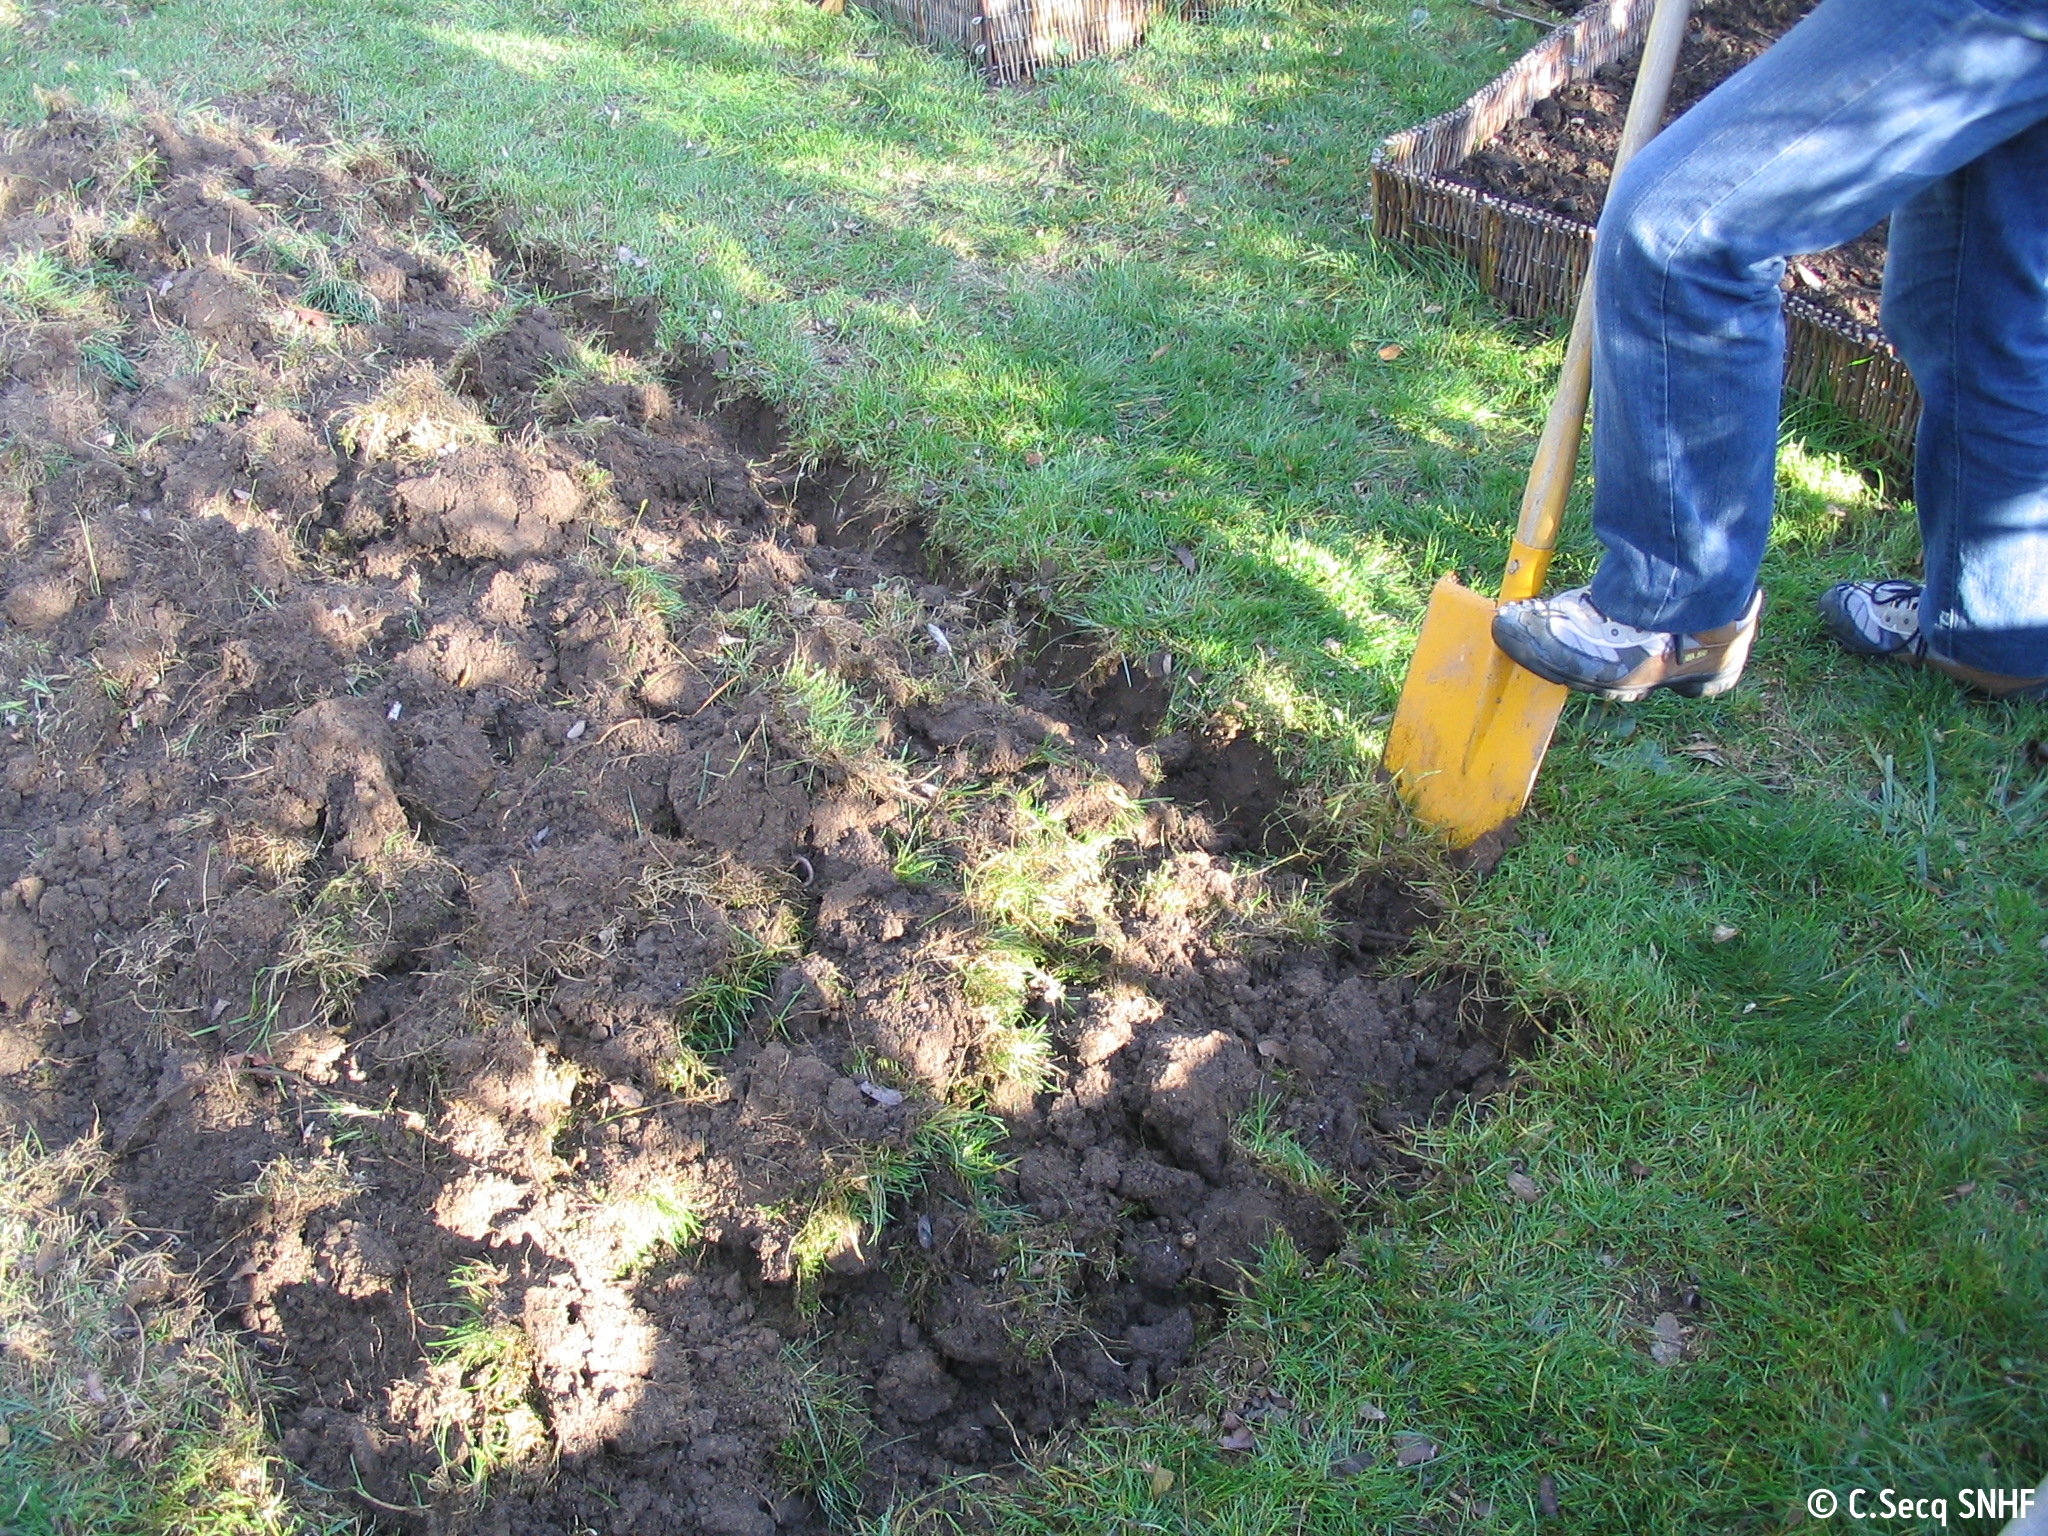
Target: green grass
<point>718,1009</point>
<point>1150,277</point>
<point>654,589</point>
<point>835,726</point>
<point>102,351</point>
<point>350,303</point>
<point>825,1451</point>
<point>1278,1150</point>
<point>656,1224</point>
<point>127,1410</point>
<point>489,1427</point>
<point>37,285</point>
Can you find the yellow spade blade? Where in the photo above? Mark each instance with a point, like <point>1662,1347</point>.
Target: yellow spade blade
<point>1472,727</point>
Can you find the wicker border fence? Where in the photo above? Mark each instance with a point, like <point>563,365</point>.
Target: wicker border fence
<point>1011,40</point>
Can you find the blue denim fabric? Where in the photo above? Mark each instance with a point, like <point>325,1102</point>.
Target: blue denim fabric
<point>1932,111</point>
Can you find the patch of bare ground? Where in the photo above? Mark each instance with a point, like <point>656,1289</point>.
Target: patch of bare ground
<point>647,1013</point>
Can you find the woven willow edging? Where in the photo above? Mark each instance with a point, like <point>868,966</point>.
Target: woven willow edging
<point>1011,40</point>
<point>1534,261</point>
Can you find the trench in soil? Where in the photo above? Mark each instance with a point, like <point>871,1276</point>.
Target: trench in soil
<point>1561,157</point>
<point>493,843</point>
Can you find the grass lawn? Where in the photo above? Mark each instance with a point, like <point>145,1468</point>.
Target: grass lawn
<point>1127,329</point>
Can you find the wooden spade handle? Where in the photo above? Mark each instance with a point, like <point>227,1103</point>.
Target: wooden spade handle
<point>1557,453</point>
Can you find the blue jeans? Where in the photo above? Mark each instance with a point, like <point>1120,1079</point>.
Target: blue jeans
<point>1936,113</point>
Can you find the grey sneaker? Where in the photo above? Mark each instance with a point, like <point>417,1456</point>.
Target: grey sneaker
<point>1882,619</point>
<point>1875,618</point>
<point>1565,639</point>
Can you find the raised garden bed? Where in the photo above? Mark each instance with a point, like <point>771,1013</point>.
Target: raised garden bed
<point>1011,40</point>
<point>1513,180</point>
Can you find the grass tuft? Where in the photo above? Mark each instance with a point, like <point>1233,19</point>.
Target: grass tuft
<point>102,352</point>
<point>835,728</point>
<point>326,955</point>
<point>1003,985</point>
<point>125,1407</point>
<point>412,415</point>
<point>717,1011</point>
<point>653,1225</point>
<point>825,1452</point>
<point>967,1144</point>
<point>653,589</point>
<point>1051,876</point>
<point>293,1188</point>
<point>348,302</point>
<point>1278,1150</point>
<point>36,285</point>
<point>488,1426</point>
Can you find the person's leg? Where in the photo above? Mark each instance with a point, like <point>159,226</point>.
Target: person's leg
<point>1966,299</point>
<point>1861,107</point>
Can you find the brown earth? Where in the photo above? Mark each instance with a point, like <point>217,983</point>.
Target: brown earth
<point>1561,157</point>
<point>466,794</point>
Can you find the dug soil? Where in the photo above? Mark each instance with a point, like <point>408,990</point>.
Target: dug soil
<point>649,1013</point>
<point>1561,157</point>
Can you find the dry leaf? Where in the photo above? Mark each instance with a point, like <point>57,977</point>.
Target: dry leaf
<point>1185,556</point>
<point>1351,1466</point>
<point>1236,1440</point>
<point>95,1389</point>
<point>1638,1169</point>
<point>1160,351</point>
<point>1390,351</point>
<point>1034,458</point>
<point>888,1098</point>
<point>1161,1481</point>
<point>1413,1449</point>
<point>1525,1189</point>
<point>1372,1413</point>
<point>1723,932</point>
<point>1667,1339</point>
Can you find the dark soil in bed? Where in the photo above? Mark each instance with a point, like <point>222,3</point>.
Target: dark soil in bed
<point>1561,157</point>
<point>649,1012</point>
